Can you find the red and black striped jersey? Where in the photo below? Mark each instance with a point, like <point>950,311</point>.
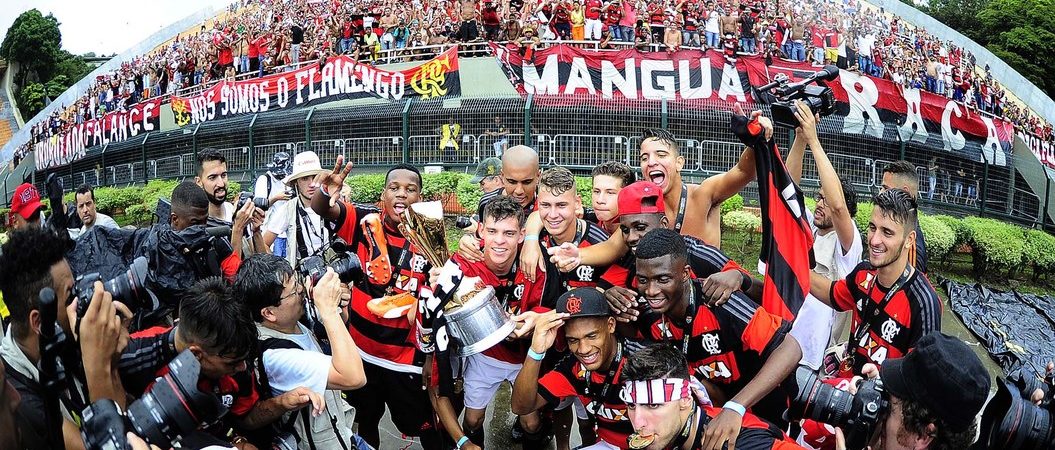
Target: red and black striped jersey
<point>389,343</point>
<point>755,433</point>
<point>584,275</point>
<point>893,328</point>
<point>727,344</point>
<point>704,260</point>
<point>597,390</point>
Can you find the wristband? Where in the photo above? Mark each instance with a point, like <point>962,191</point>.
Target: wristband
<point>535,355</point>
<point>735,407</point>
<point>745,285</point>
<point>461,441</point>
<point>531,237</point>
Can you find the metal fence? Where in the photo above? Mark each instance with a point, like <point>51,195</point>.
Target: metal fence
<point>574,134</point>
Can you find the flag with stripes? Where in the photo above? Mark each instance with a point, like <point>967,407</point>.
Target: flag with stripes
<point>787,240</point>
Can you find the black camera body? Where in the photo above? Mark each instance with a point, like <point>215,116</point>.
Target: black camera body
<point>337,256</point>
<point>171,408</point>
<point>128,288</point>
<point>856,414</point>
<point>259,202</point>
<point>820,99</point>
<point>463,222</point>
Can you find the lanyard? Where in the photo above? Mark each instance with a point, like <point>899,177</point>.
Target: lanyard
<point>309,231</point>
<point>689,312</point>
<point>871,309</point>
<point>610,377</point>
<point>681,208</point>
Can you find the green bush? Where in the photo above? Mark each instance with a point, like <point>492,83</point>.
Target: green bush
<point>963,234</point>
<point>811,203</point>
<point>734,203</point>
<point>995,243</point>
<point>436,185</point>
<point>366,188</point>
<point>1038,250</point>
<point>940,238</point>
<point>741,221</point>
<point>863,217</point>
<point>469,195</point>
<point>584,187</point>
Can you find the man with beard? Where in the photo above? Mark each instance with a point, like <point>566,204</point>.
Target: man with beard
<point>591,375</point>
<point>212,177</point>
<point>741,351</point>
<point>304,230</point>
<point>482,373</point>
<point>668,412</point>
<point>836,240</point>
<point>393,266</point>
<point>893,304</point>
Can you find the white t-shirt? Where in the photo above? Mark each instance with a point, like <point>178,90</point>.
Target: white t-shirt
<point>260,190</point>
<point>281,222</point>
<point>289,368</point>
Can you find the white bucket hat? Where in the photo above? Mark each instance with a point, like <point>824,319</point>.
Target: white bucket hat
<point>305,164</point>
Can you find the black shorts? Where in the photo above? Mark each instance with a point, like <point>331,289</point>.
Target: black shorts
<point>403,393</point>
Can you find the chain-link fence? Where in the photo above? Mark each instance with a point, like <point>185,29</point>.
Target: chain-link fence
<point>579,134</point>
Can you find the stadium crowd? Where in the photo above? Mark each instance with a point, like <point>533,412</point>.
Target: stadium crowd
<point>254,38</point>
<point>291,305</point>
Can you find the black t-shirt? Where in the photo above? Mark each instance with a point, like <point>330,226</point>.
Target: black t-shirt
<point>747,26</point>
<point>298,34</point>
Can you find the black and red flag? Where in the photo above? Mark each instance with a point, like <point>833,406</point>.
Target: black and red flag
<point>787,240</point>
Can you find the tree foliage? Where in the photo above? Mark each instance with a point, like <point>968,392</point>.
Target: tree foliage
<point>32,98</point>
<point>33,41</point>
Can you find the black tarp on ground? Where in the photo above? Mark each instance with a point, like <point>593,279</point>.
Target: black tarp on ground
<point>1017,329</point>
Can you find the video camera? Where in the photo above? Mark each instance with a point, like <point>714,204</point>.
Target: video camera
<point>128,288</point>
<point>856,414</point>
<point>820,99</point>
<point>1011,421</point>
<point>170,409</point>
<point>338,255</point>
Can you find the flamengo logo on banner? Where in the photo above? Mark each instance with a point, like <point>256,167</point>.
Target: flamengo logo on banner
<point>113,127</point>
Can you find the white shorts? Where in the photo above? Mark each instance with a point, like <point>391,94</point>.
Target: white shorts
<point>482,377</point>
<point>580,409</point>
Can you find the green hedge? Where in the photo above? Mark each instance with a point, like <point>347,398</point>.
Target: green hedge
<point>995,243</point>
<point>1038,251</point>
<point>959,229</point>
<point>939,237</point>
<point>863,216</point>
<point>741,221</point>
<point>734,203</point>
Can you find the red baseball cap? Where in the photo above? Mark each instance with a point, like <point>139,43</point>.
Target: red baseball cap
<point>631,199</point>
<point>26,201</point>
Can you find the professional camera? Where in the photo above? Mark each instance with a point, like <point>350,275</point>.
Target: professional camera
<point>1010,421</point>
<point>259,202</point>
<point>857,415</point>
<point>463,222</point>
<point>171,408</point>
<point>337,256</point>
<point>128,288</point>
<point>820,99</point>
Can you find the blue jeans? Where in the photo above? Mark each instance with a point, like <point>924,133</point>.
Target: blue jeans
<point>712,39</point>
<point>345,44</point>
<point>798,51</point>
<point>243,64</point>
<point>690,38</point>
<point>747,45</point>
<point>278,248</point>
<point>628,33</point>
<point>617,32</point>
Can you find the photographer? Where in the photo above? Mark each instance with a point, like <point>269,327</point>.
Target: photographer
<point>291,355</point>
<point>34,258</point>
<point>190,207</point>
<point>270,186</point>
<point>219,332</point>
<point>304,230</point>
<point>212,177</point>
<point>935,393</point>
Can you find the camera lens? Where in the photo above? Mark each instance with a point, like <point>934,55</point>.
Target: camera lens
<point>1013,423</point>
<point>348,268</point>
<point>818,401</point>
<point>174,405</point>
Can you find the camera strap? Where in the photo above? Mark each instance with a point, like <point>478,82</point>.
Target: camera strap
<point>609,378</point>
<point>681,207</point>
<point>871,309</point>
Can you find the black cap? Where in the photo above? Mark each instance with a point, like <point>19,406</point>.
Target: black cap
<point>583,302</point>
<point>942,374</point>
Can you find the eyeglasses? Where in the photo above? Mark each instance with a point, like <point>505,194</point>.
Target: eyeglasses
<point>299,290</point>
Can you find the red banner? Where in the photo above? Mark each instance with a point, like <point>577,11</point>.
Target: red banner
<point>865,105</point>
<point>114,127</point>
<point>341,78</point>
